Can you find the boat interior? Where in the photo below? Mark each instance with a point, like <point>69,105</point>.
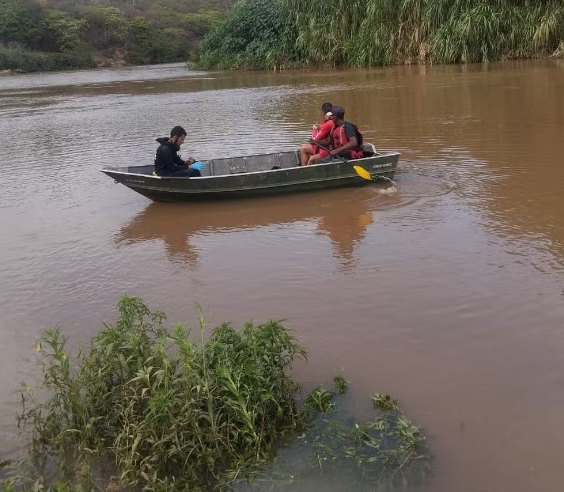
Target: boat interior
<point>248,164</point>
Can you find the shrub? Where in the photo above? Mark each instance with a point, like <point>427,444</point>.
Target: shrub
<point>172,413</point>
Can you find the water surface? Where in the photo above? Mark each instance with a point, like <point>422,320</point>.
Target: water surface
<point>448,295</point>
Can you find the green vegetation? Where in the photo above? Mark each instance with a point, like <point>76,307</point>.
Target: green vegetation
<point>62,34</point>
<point>147,407</point>
<point>380,32</point>
<point>16,57</point>
<point>257,34</point>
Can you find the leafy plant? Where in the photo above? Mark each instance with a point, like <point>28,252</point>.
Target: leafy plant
<point>170,410</point>
<point>341,384</point>
<point>162,406</point>
<point>319,400</point>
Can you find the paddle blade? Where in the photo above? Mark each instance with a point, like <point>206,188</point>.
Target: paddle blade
<point>363,173</point>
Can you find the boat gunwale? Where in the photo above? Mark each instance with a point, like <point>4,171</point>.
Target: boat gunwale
<point>126,173</point>
<point>201,191</point>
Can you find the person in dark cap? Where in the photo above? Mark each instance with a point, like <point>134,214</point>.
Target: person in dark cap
<point>169,163</point>
<point>346,140</point>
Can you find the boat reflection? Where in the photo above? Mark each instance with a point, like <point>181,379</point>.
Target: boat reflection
<point>342,215</point>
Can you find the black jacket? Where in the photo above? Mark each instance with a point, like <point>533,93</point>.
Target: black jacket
<point>167,160</point>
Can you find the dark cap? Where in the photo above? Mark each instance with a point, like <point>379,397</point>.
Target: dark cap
<point>338,112</point>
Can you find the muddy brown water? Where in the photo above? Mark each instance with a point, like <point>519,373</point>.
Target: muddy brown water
<point>449,294</point>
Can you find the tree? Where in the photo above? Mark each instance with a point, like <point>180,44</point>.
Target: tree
<point>19,21</point>
<point>68,31</point>
<point>106,27</point>
<point>201,22</point>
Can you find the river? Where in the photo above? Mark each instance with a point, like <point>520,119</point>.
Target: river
<point>448,294</point>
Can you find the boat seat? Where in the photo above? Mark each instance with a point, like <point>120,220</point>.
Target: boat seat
<point>288,159</point>
<point>141,169</point>
<point>368,149</point>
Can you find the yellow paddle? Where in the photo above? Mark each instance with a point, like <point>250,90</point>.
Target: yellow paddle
<point>363,173</point>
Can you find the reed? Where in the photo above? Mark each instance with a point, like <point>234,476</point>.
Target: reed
<point>379,32</point>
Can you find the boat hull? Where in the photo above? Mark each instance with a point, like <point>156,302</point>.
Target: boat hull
<point>244,185</point>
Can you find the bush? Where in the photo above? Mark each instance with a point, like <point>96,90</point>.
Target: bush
<point>163,406</point>
<point>17,58</point>
<point>256,35</point>
<point>173,414</point>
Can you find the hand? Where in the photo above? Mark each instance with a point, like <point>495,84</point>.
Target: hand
<point>190,161</point>
<point>315,127</point>
<point>199,166</point>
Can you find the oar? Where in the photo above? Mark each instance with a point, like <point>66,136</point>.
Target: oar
<point>363,173</point>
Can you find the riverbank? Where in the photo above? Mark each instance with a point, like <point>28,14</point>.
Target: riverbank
<point>371,33</point>
<point>66,35</point>
<point>17,60</point>
<point>282,34</point>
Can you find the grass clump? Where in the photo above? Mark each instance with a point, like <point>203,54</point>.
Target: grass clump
<point>146,407</point>
<point>170,413</point>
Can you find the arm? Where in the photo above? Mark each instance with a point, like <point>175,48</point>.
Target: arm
<point>323,136</point>
<point>351,144</point>
<point>325,131</point>
<point>167,160</point>
<point>325,142</point>
<point>178,162</point>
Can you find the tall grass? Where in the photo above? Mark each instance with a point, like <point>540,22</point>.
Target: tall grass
<point>379,32</point>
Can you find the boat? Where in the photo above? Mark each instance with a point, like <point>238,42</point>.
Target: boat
<point>256,175</point>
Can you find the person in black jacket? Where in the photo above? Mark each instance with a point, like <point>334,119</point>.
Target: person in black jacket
<point>167,160</point>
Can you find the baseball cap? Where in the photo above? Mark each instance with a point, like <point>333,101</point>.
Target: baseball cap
<point>338,112</point>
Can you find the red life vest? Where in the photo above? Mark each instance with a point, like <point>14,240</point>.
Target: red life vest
<point>324,131</point>
<point>339,138</point>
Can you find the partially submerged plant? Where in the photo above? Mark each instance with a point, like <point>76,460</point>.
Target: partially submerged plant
<point>169,412</point>
<point>385,402</point>
<point>385,453</point>
<point>341,384</point>
<point>173,414</point>
<point>319,400</point>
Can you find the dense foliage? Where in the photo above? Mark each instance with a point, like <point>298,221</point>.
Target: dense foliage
<point>60,34</point>
<point>378,32</point>
<point>256,34</point>
<point>167,413</point>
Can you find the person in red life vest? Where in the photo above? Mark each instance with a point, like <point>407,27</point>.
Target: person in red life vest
<point>346,140</point>
<point>321,131</point>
